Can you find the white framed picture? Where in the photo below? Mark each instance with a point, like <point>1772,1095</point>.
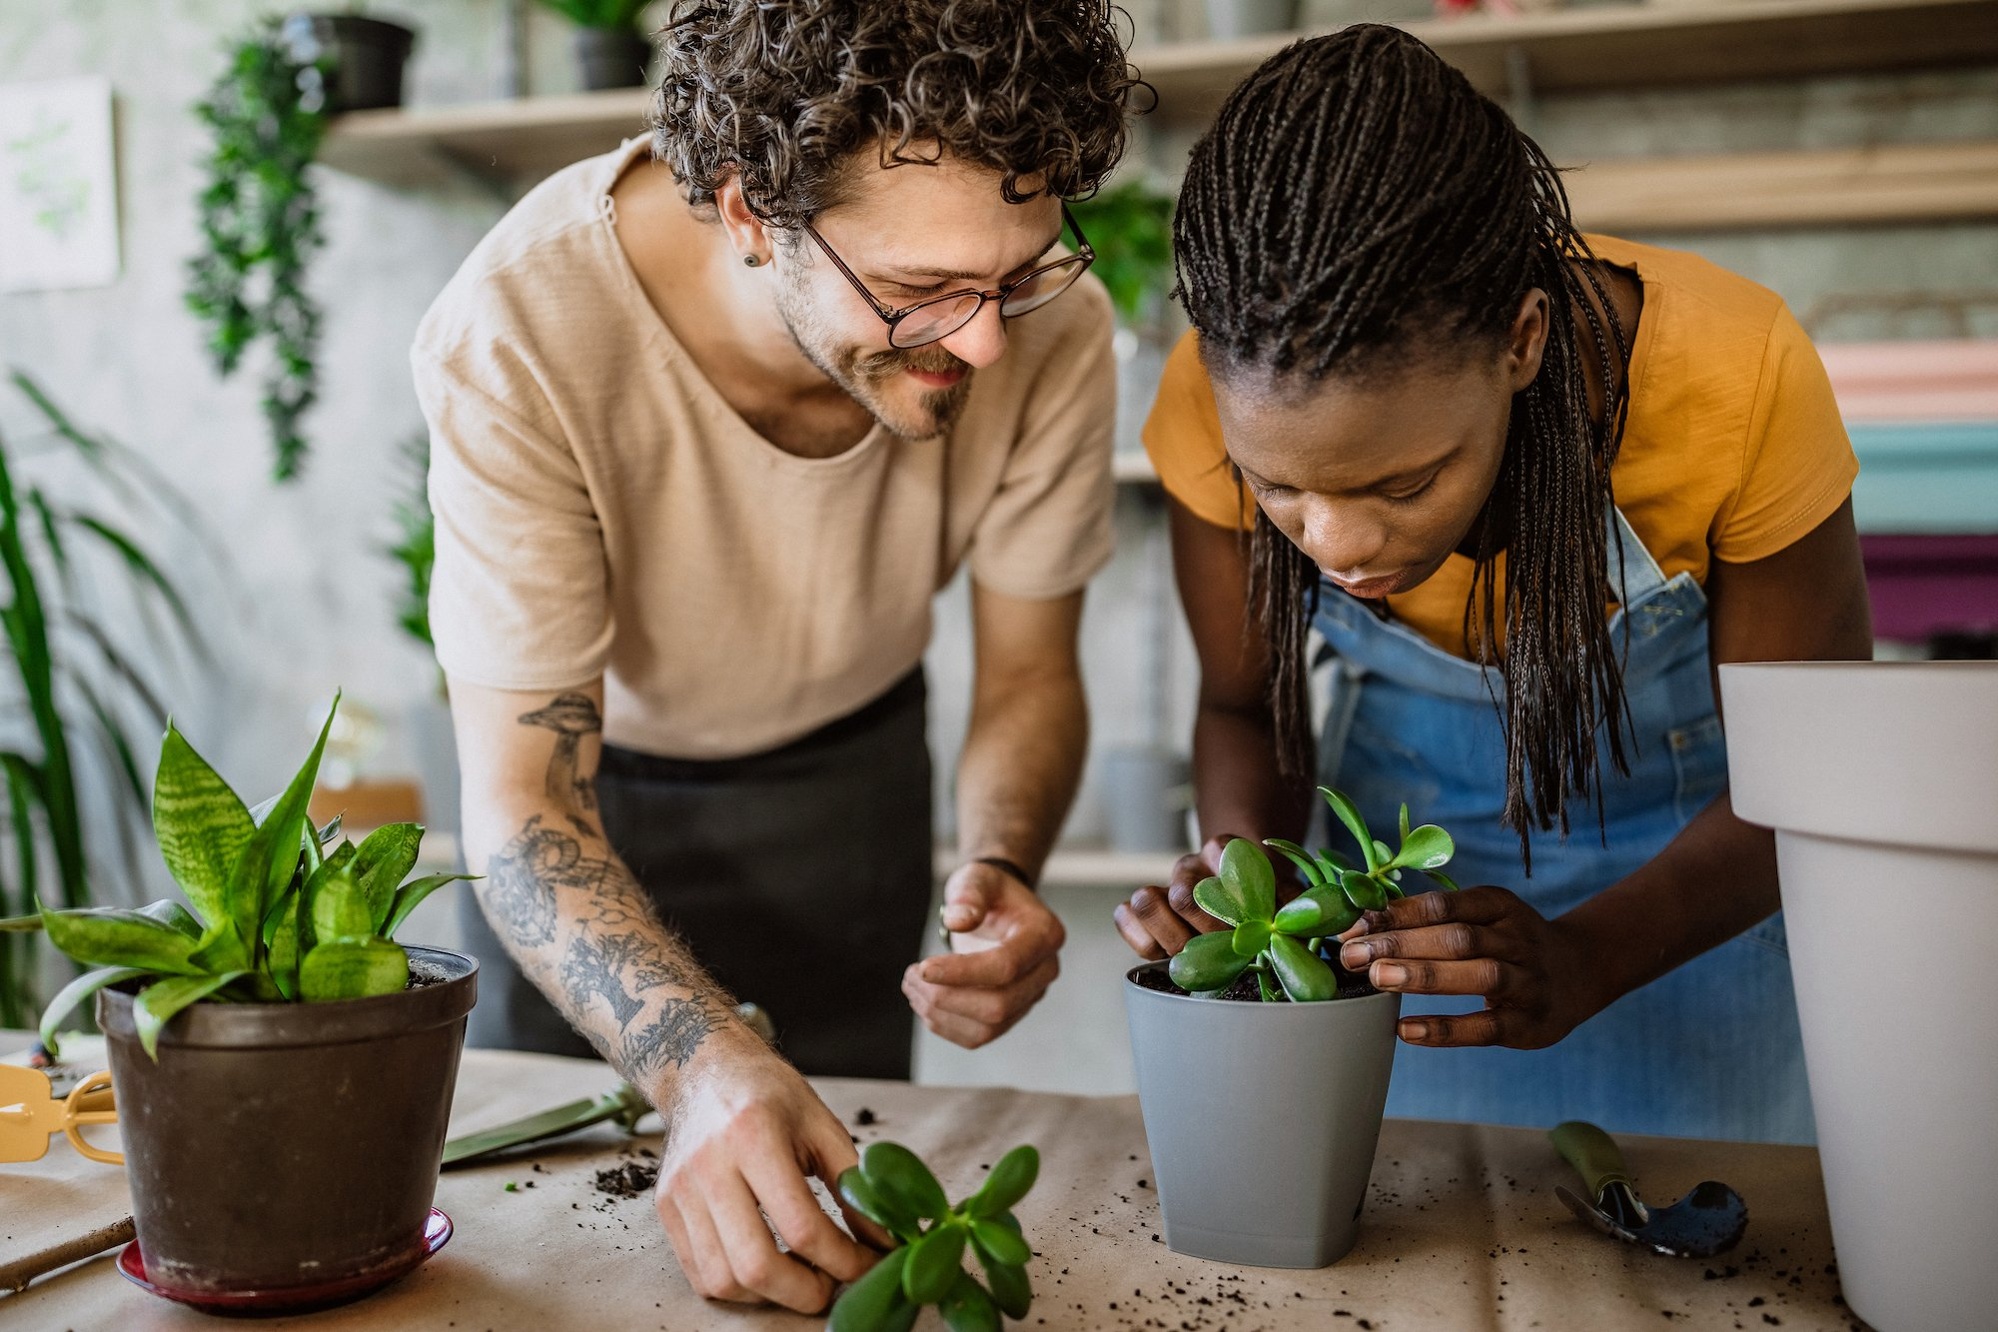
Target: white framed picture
<point>58,185</point>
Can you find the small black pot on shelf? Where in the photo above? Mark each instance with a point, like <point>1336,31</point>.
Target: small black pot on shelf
<point>612,57</point>
<point>367,56</point>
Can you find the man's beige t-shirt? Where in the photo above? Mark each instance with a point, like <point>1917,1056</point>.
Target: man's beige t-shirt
<point>602,511</point>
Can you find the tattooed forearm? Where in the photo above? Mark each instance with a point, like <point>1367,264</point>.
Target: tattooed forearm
<point>581,924</point>
<point>571,717</point>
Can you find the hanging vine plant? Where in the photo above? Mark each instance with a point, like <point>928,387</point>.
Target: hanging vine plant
<point>260,226</point>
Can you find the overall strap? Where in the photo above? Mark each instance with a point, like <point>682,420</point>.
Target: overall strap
<point>1640,575</point>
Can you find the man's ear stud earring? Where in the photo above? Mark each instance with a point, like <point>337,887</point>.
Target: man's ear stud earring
<point>751,260</point>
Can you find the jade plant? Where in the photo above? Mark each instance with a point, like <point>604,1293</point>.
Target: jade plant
<point>894,1189</point>
<point>1282,944</point>
<point>276,917</point>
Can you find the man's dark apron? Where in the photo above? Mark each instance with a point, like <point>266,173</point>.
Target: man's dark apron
<point>801,879</point>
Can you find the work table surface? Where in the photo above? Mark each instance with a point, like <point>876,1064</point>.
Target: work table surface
<point>1462,1230</point>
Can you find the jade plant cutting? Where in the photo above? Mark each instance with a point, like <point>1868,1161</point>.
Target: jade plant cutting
<point>1282,944</point>
<point>276,918</point>
<point>894,1189</point>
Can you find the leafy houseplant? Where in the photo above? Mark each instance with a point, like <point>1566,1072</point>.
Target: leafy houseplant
<point>415,548</point>
<point>274,920</point>
<point>77,679</point>
<point>610,49</point>
<point>260,226</point>
<point>321,1045</point>
<point>1279,1186</point>
<point>894,1189</point>
<point>1267,938</point>
<point>1130,227</point>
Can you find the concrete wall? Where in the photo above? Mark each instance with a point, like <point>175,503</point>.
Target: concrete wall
<point>308,605</point>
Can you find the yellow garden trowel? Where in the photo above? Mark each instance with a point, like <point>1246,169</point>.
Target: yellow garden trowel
<point>1707,1221</point>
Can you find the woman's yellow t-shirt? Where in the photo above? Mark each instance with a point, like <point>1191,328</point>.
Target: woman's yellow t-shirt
<point>1732,449</point>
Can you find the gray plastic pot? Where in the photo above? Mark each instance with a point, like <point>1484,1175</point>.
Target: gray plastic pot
<point>1881,781</point>
<point>275,1146</point>
<point>1262,1119</point>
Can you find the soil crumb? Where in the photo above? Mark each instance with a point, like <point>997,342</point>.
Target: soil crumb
<point>865,1117</point>
<point>628,1179</point>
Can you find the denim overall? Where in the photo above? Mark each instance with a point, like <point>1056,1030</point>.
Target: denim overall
<point>1712,1049</point>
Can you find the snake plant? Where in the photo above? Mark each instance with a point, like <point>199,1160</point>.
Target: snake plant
<point>1282,943</point>
<point>894,1189</point>
<point>276,916</point>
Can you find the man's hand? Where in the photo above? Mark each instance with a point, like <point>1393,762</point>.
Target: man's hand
<point>1157,922</point>
<point>744,1132</point>
<point>1535,974</point>
<point>1005,943</point>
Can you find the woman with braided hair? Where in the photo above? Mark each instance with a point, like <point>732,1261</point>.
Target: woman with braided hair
<point>1526,486</point>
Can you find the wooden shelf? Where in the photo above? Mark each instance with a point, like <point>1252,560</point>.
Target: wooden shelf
<point>503,142</point>
<point>1628,46</point>
<point>1828,187</point>
<point>1615,46</point>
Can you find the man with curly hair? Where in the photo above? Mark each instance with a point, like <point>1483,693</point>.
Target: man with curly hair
<point>714,417</point>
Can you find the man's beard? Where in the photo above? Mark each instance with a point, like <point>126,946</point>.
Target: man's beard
<point>864,374</point>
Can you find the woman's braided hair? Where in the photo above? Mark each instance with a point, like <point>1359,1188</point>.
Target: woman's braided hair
<point>1356,206</point>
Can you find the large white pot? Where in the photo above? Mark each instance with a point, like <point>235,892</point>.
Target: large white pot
<point>1881,781</point>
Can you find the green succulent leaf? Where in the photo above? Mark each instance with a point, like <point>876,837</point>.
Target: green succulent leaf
<point>1012,1176</point>
<point>340,908</point>
<point>1246,870</point>
<point>281,947</point>
<point>901,1178</point>
<point>1004,1246</point>
<point>875,1300</point>
<point>966,1307</point>
<point>1208,962</point>
<point>74,993</point>
<point>222,949</point>
<point>1382,857</point>
<point>866,1200</point>
<point>1217,900</point>
<point>384,858</point>
<point>159,1002</point>
<point>121,937</point>
<point>411,894</point>
<point>1363,891</point>
<point>352,969</point>
<point>173,915</point>
<point>1305,978</point>
<point>1442,878</point>
<point>1317,911</point>
<point>200,823</point>
<point>1349,814</point>
<point>1403,821</point>
<point>1268,989</point>
<point>1011,1290</point>
<point>1251,937</point>
<point>1331,864</point>
<point>270,856</point>
<point>935,1261</point>
<point>1298,856</point>
<point>1425,848</point>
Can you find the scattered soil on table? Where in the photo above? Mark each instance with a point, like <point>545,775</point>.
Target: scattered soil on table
<point>1245,989</point>
<point>627,1179</point>
<point>865,1118</point>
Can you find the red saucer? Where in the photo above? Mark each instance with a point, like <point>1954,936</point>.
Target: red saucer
<point>292,1299</point>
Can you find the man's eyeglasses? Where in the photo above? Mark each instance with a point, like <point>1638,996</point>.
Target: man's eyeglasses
<point>940,316</point>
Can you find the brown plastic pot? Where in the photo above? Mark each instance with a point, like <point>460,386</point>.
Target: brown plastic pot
<point>278,1146</point>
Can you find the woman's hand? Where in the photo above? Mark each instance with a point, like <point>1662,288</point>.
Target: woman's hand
<point>1535,974</point>
<point>1157,922</point>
